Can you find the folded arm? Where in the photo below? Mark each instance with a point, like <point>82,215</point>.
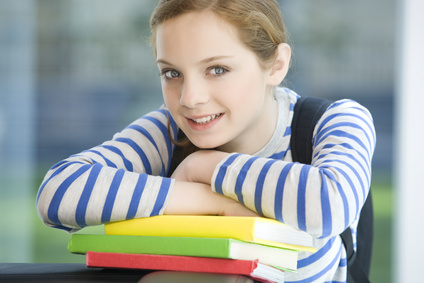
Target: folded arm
<point>120,179</point>
<point>323,198</point>
<point>125,178</point>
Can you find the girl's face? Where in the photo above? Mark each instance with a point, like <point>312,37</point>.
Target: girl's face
<point>213,85</point>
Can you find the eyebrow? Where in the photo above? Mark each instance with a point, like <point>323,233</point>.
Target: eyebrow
<point>214,58</point>
<point>204,61</point>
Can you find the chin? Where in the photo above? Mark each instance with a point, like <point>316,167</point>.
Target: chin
<point>206,144</point>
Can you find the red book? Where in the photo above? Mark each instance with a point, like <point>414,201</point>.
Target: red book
<point>252,268</point>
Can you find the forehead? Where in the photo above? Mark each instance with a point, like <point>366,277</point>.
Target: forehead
<point>195,36</point>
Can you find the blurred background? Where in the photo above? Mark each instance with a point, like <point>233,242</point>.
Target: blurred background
<point>74,72</point>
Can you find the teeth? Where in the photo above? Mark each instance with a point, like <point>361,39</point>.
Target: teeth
<point>207,119</point>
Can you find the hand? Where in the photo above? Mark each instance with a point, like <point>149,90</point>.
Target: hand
<point>198,199</point>
<point>192,192</point>
<point>199,166</point>
<point>234,208</point>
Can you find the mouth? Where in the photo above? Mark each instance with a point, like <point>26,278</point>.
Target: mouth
<point>206,119</point>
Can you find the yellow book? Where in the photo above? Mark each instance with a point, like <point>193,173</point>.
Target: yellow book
<point>250,229</point>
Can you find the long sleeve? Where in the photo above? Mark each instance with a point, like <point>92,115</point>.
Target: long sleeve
<point>323,198</point>
<point>117,180</point>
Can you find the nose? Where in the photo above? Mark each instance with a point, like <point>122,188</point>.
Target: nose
<point>193,93</point>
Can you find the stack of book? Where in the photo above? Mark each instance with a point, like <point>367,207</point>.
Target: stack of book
<point>257,247</point>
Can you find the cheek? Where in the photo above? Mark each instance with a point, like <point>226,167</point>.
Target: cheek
<point>171,102</point>
<point>245,90</point>
<point>169,96</point>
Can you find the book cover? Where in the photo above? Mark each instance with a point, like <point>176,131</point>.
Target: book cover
<point>184,246</point>
<point>251,268</point>
<point>252,229</point>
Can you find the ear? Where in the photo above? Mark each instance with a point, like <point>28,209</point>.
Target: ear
<point>281,65</point>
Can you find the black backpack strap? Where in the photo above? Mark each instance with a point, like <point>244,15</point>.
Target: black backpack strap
<point>177,155</point>
<point>358,263</point>
<point>307,112</point>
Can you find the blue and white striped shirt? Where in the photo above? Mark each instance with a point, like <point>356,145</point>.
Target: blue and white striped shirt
<point>125,178</point>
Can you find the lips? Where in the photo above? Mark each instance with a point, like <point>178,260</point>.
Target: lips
<point>202,123</point>
<point>206,119</point>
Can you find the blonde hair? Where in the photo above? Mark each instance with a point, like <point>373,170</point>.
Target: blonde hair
<point>259,22</point>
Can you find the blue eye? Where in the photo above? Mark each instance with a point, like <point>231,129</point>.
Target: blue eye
<point>217,70</point>
<point>171,74</point>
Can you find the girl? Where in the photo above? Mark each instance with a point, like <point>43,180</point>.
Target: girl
<point>221,63</point>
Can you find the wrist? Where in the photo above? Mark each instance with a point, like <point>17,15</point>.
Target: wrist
<point>202,165</point>
<point>193,199</point>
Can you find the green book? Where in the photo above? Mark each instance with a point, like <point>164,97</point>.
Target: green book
<point>183,246</point>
